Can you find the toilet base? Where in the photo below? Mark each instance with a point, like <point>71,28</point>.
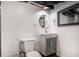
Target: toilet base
<point>33,54</point>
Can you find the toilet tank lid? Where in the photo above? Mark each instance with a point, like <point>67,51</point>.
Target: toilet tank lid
<point>27,39</point>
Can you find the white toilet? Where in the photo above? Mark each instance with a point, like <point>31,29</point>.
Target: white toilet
<point>28,45</point>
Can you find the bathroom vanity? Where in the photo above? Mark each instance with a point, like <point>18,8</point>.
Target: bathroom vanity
<point>47,43</point>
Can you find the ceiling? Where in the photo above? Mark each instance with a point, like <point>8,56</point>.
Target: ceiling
<point>49,4</point>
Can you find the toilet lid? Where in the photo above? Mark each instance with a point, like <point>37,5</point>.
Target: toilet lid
<point>33,54</point>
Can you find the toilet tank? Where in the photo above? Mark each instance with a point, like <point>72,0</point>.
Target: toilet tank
<point>28,44</point>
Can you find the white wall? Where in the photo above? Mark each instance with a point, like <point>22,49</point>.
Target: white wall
<point>68,41</point>
<point>17,21</point>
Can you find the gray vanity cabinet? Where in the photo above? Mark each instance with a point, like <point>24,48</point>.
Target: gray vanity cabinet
<point>47,44</point>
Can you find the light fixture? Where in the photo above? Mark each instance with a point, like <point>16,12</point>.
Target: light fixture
<point>45,8</point>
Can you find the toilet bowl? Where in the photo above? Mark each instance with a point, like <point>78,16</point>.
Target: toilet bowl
<point>28,47</point>
<point>33,54</point>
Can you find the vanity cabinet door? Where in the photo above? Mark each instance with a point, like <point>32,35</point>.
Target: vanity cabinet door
<point>50,46</point>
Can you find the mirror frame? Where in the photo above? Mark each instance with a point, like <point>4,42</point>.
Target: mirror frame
<point>58,16</point>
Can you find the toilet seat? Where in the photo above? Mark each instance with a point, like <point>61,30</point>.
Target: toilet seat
<point>33,54</point>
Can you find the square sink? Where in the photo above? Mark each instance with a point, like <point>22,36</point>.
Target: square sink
<point>55,35</point>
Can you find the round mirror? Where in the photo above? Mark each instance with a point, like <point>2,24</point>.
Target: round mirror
<point>43,21</point>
